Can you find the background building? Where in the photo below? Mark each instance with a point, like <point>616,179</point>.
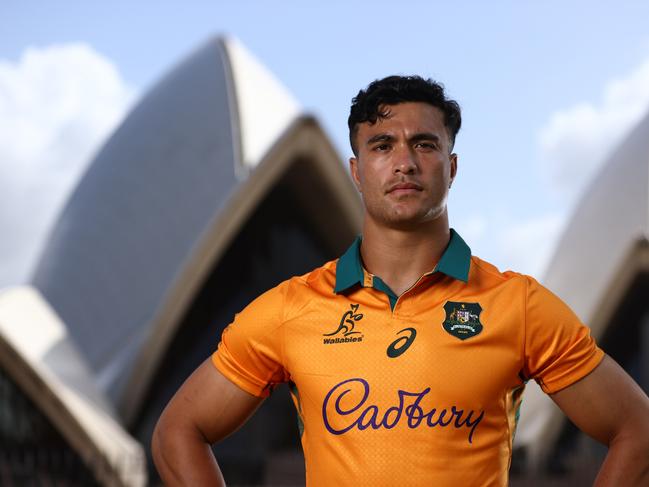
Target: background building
<point>601,269</point>
<point>215,188</point>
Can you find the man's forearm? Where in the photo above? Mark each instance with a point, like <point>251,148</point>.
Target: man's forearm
<point>184,458</point>
<point>626,464</point>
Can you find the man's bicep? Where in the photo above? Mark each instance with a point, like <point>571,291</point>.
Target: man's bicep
<point>605,403</point>
<point>212,403</point>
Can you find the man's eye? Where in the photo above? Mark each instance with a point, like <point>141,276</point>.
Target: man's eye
<point>425,145</point>
<point>382,147</point>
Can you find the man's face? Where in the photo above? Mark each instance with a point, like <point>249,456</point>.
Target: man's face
<point>404,167</point>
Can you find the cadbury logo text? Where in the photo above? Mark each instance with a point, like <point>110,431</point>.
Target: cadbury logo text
<point>361,415</point>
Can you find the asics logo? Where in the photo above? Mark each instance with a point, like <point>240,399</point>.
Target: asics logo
<point>401,344</point>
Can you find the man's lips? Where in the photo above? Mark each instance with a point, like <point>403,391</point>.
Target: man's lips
<point>404,187</point>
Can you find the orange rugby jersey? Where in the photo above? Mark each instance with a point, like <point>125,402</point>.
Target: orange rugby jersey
<point>420,389</point>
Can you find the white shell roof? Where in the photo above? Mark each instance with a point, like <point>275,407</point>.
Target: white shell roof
<point>174,161</point>
<point>603,247</point>
<point>52,371</point>
<point>152,213</point>
<point>611,218</point>
<point>139,211</point>
<point>265,108</point>
<point>138,233</point>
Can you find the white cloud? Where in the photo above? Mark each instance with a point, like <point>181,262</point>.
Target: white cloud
<point>57,104</point>
<point>576,141</point>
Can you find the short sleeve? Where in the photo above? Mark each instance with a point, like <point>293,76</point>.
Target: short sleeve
<point>250,351</point>
<point>559,349</point>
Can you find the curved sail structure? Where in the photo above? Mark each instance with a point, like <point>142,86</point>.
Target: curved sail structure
<point>601,269</point>
<point>215,187</point>
<point>52,411</point>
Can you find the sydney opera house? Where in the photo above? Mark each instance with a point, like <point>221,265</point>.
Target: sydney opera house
<point>216,187</point>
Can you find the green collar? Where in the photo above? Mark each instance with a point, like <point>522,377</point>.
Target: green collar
<point>455,263</point>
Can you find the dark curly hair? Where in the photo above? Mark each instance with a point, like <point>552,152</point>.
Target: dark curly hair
<point>369,105</point>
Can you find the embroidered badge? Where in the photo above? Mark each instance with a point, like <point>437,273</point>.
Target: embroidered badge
<point>462,319</point>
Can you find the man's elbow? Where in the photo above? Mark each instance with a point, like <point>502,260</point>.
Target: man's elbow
<point>634,440</point>
<point>171,444</point>
<point>181,453</point>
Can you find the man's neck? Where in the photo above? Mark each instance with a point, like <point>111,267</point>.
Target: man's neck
<point>401,257</point>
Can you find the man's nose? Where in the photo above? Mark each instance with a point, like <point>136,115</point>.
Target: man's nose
<point>406,162</point>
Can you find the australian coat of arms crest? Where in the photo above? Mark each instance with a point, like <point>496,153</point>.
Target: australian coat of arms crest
<point>462,319</point>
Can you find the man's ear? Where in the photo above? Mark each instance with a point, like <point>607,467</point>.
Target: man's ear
<point>353,169</point>
<point>453,159</point>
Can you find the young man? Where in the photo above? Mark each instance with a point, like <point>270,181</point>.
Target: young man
<point>406,357</point>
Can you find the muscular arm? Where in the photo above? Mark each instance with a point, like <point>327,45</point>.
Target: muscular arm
<point>610,407</point>
<point>206,409</point>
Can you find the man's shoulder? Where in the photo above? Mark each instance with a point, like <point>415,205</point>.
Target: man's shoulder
<point>321,279</point>
<point>486,272</point>
<point>489,270</point>
<point>486,275</point>
<point>291,295</point>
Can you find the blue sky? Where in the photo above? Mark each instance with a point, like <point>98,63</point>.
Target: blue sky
<point>547,90</point>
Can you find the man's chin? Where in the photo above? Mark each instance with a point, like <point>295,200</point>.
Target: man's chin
<point>413,221</point>
<point>407,223</point>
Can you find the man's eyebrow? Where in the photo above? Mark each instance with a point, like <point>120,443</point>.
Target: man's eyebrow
<point>418,137</point>
<point>380,138</point>
<point>425,136</point>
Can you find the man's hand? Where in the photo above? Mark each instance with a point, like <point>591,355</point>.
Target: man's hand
<point>206,409</point>
<point>610,407</point>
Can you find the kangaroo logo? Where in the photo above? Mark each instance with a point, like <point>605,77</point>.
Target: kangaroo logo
<point>346,325</point>
<point>401,344</point>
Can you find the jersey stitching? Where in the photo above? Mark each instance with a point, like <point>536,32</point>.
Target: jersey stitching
<point>260,384</point>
